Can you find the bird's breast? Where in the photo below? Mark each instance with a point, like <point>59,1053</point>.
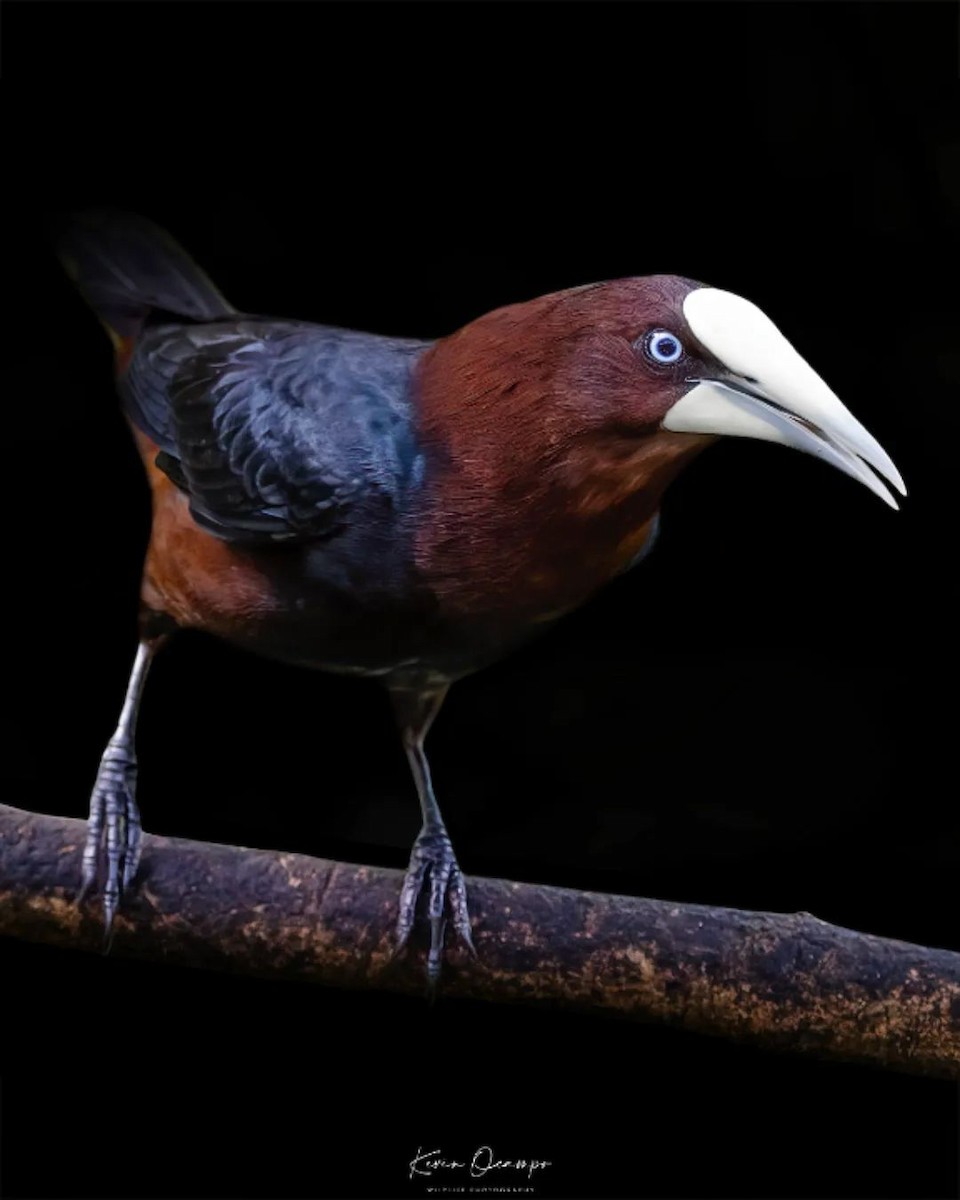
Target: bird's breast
<point>516,572</point>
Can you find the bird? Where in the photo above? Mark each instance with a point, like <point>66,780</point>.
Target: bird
<point>412,510</point>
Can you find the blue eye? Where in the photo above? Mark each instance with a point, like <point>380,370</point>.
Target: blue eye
<point>662,346</point>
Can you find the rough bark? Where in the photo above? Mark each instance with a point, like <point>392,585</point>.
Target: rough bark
<point>785,981</point>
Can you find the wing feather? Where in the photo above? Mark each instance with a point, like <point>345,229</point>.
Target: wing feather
<point>276,430</point>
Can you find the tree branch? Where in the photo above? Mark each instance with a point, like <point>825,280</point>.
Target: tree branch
<point>785,981</point>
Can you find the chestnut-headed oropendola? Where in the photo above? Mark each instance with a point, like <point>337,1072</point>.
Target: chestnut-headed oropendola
<point>412,510</point>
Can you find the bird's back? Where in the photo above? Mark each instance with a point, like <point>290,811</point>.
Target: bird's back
<point>276,430</point>
<point>283,457</point>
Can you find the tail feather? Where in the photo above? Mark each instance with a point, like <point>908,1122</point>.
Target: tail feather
<point>125,267</point>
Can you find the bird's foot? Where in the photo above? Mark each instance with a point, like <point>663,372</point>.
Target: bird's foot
<point>435,872</point>
<point>112,850</point>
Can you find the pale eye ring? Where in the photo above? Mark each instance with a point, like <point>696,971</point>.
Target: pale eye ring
<point>662,346</point>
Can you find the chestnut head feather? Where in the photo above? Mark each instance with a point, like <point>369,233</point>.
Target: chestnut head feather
<point>552,427</point>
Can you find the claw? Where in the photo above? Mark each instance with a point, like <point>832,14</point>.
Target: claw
<point>412,883</point>
<point>433,859</point>
<point>460,911</point>
<point>131,860</point>
<point>438,927</point>
<point>112,849</point>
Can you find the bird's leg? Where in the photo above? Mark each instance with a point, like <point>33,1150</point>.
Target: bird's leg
<point>112,849</point>
<point>433,864</point>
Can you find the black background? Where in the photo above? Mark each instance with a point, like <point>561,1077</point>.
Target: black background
<point>762,716</point>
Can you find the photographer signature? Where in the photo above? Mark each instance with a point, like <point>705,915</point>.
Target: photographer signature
<point>428,1162</point>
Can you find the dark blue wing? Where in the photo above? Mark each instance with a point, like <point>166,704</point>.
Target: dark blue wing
<point>276,430</point>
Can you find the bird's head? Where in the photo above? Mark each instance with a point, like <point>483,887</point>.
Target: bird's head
<point>662,353</point>
<point>553,427</point>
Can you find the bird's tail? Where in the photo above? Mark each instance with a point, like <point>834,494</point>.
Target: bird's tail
<point>126,267</point>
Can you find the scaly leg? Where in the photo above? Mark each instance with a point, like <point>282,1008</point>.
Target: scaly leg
<point>432,862</point>
<point>112,849</point>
